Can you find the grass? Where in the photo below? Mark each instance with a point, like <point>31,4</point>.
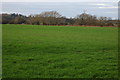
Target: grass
<point>32,51</point>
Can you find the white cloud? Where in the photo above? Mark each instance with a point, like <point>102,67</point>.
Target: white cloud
<point>109,7</point>
<point>99,4</point>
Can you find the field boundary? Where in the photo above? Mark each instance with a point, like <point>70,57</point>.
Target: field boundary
<point>70,25</point>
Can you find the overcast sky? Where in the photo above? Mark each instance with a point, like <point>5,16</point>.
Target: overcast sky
<point>68,9</point>
<point>59,0</point>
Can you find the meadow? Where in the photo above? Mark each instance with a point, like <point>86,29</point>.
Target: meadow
<point>34,51</point>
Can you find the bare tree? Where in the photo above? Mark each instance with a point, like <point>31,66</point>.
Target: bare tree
<point>85,19</point>
<point>50,14</point>
<point>49,18</point>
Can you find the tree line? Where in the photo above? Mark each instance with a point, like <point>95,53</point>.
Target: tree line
<point>54,18</point>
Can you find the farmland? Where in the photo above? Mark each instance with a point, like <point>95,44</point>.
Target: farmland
<point>34,51</point>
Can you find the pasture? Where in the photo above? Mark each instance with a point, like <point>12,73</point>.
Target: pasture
<point>34,51</point>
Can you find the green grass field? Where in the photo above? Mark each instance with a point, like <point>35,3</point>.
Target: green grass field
<point>33,51</point>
